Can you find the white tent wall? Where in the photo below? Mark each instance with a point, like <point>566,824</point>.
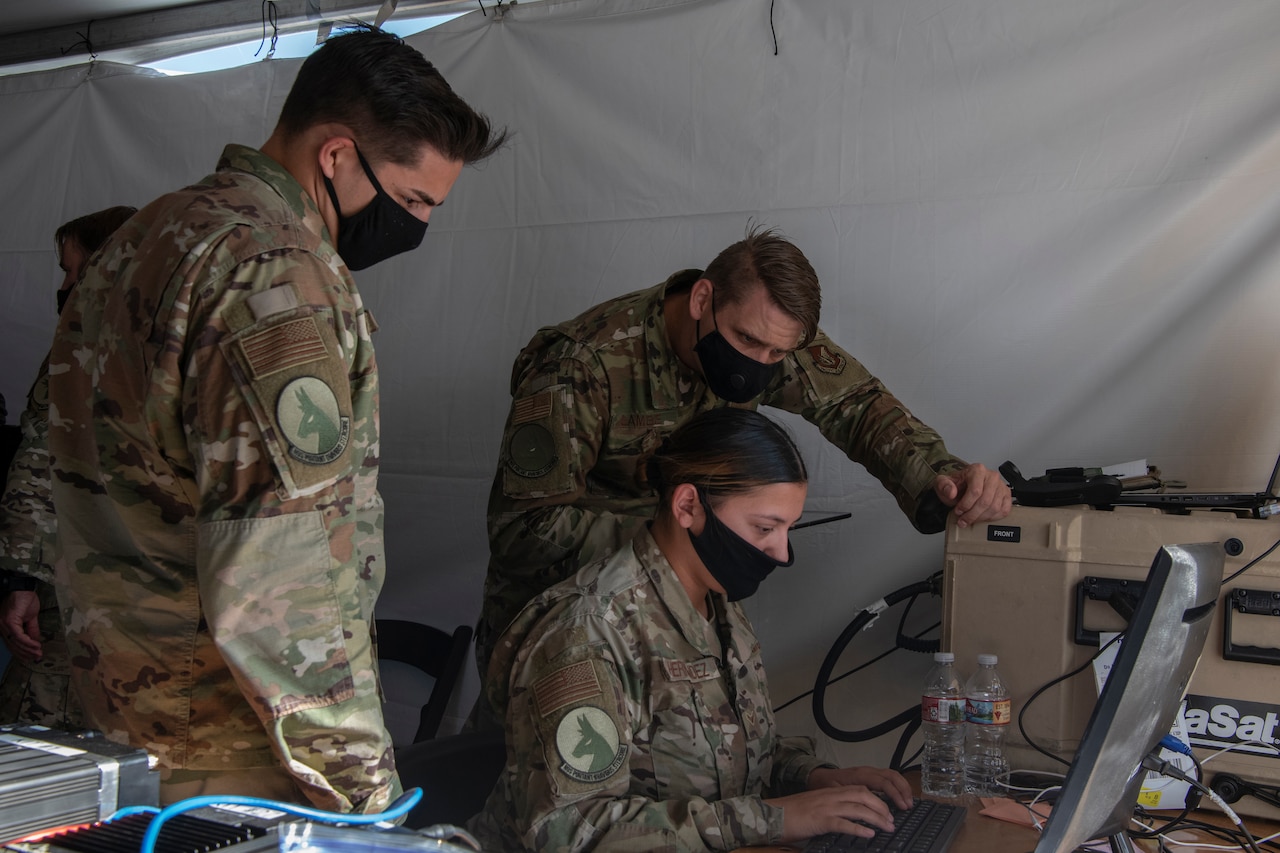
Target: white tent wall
<point>1052,229</point>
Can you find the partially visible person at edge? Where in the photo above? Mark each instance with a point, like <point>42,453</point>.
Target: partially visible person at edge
<point>594,396</point>
<point>35,684</point>
<point>634,696</point>
<point>220,527</point>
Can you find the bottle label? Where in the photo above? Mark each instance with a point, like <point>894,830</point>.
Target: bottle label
<point>988,713</point>
<point>936,710</point>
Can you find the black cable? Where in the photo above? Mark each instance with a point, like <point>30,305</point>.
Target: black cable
<point>897,762</point>
<point>1156,764</point>
<point>1250,564</point>
<point>85,39</point>
<point>860,667</point>
<point>823,679</point>
<point>1170,824</point>
<point>268,16</point>
<point>1022,730</point>
<point>772,30</point>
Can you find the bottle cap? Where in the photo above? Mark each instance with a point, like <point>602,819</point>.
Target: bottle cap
<point>988,660</point>
<point>944,657</point>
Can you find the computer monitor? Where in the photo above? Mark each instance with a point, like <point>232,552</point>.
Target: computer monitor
<point>1140,700</point>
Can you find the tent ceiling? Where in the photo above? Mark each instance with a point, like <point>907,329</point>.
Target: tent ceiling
<point>21,17</point>
<point>44,33</point>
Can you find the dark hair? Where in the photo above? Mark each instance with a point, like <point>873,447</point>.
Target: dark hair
<point>391,97</point>
<point>766,258</point>
<point>725,452</point>
<point>92,230</point>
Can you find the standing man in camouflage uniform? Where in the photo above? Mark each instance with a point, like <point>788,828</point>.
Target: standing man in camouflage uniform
<point>214,437</point>
<point>593,397</point>
<point>637,712</point>
<point>35,687</point>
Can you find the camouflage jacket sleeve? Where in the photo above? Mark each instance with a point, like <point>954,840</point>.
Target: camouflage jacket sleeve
<point>543,522</point>
<point>854,411</point>
<point>27,522</point>
<point>793,760</point>
<point>578,757</point>
<point>280,407</point>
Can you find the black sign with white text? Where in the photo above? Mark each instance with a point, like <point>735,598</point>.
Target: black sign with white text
<point>1216,723</point>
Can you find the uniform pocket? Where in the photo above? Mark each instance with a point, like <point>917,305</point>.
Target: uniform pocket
<point>272,606</point>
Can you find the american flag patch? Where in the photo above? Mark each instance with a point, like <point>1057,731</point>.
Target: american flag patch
<point>283,346</point>
<point>531,408</point>
<point>564,686</point>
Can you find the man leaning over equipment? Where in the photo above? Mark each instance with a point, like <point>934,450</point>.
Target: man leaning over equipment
<point>594,397</point>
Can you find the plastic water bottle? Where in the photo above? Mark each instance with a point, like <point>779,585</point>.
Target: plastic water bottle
<point>942,714</point>
<point>987,717</point>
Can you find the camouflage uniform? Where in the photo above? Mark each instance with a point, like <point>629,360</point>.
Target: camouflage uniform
<point>39,692</point>
<point>595,396</point>
<point>634,723</point>
<point>214,433</point>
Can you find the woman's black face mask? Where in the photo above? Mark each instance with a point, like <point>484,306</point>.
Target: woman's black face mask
<point>736,564</point>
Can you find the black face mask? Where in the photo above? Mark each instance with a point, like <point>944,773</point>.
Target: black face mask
<point>734,562</point>
<point>731,375</point>
<point>378,232</point>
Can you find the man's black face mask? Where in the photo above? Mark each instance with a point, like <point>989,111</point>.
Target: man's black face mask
<point>383,229</point>
<point>731,375</point>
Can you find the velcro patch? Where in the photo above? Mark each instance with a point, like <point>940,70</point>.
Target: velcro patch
<point>536,461</point>
<point>827,360</point>
<point>300,397</point>
<point>283,346</point>
<point>573,683</point>
<point>693,671</point>
<point>589,745</point>
<point>309,417</point>
<point>531,408</point>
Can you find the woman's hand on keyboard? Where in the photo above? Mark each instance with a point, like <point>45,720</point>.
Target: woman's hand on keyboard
<point>850,809</point>
<point>888,782</point>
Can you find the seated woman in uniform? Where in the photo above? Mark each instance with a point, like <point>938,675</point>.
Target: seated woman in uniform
<point>637,715</point>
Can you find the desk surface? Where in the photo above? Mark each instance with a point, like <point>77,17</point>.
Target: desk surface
<point>982,834</point>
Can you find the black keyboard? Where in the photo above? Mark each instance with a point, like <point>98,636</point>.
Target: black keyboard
<point>926,827</point>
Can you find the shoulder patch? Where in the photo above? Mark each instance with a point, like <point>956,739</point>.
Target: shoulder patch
<point>589,746</point>
<point>574,683</point>
<point>311,422</point>
<point>283,346</point>
<point>531,451</point>
<point>536,461</point>
<point>531,408</point>
<point>295,381</point>
<point>827,360</point>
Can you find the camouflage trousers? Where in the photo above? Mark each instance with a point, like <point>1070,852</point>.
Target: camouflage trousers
<point>41,692</point>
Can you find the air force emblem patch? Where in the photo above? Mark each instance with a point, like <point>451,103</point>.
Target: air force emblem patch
<point>589,746</point>
<point>311,422</point>
<point>826,360</point>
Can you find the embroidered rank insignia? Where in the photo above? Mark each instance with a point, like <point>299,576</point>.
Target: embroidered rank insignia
<point>564,686</point>
<point>589,746</point>
<point>826,360</point>
<point>311,422</point>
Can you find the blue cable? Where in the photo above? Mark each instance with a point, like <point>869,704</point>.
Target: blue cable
<point>133,810</point>
<point>1172,743</point>
<point>400,807</point>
